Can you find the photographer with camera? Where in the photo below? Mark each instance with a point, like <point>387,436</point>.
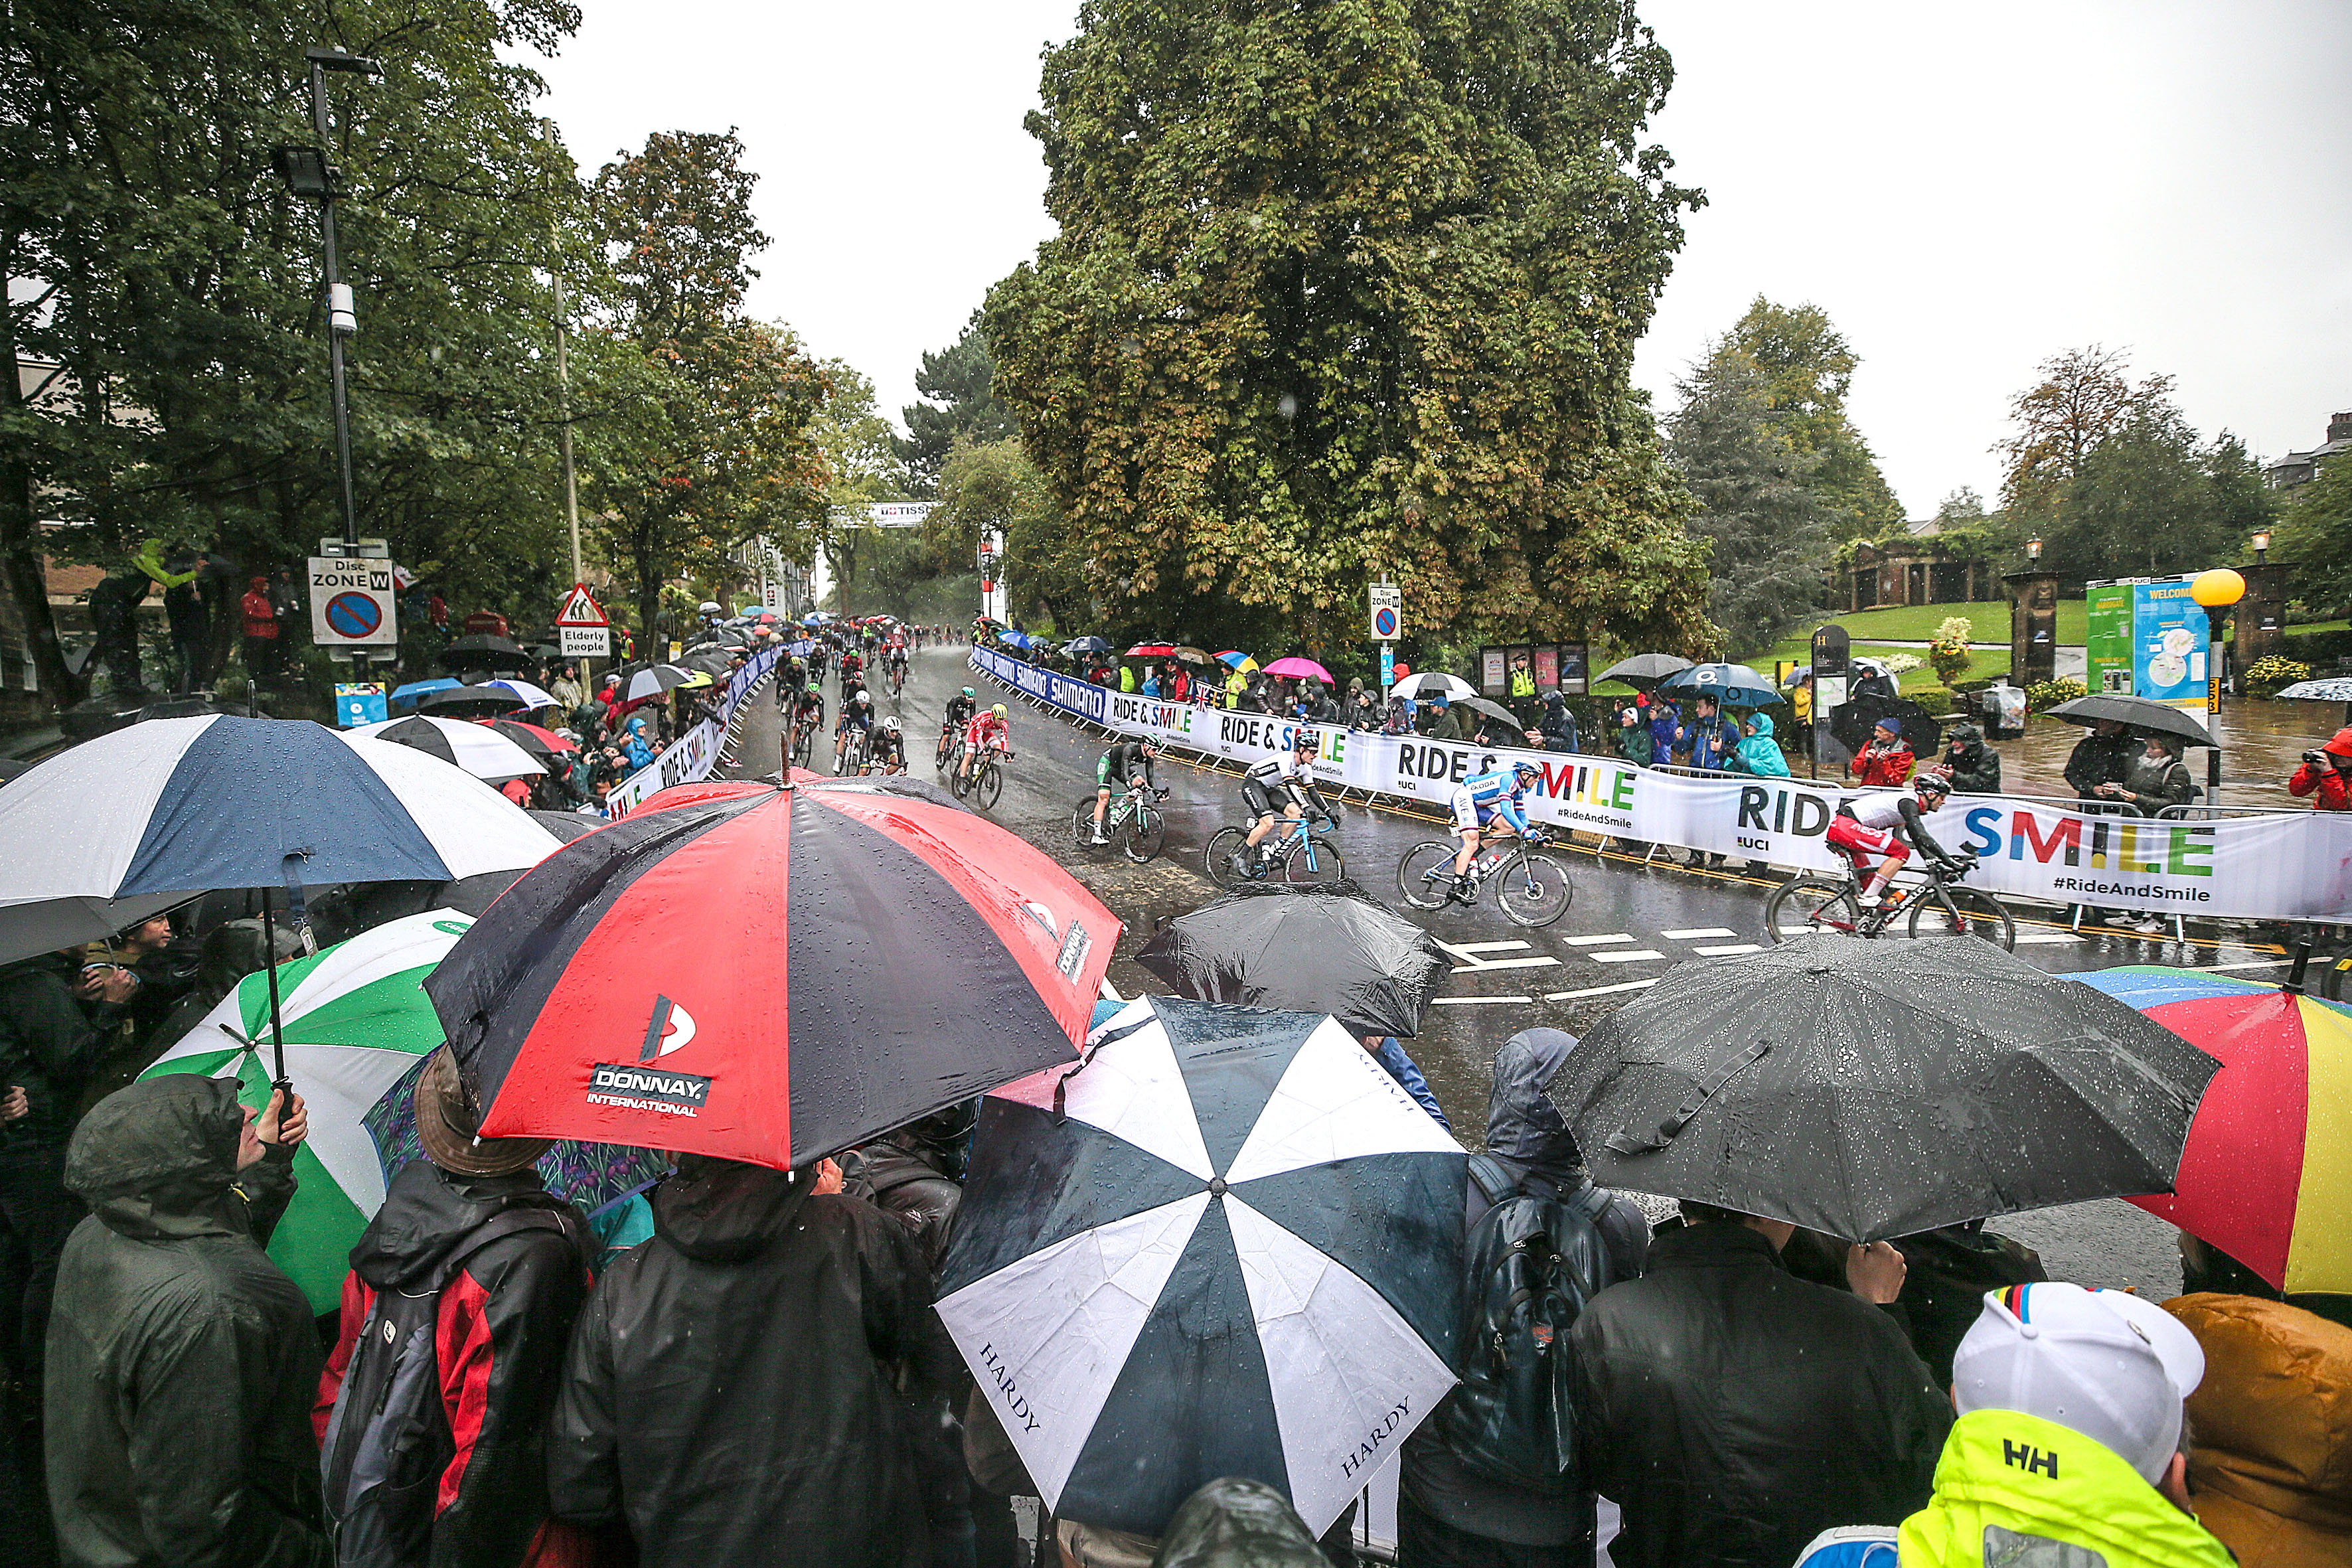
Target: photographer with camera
<point>2327,773</point>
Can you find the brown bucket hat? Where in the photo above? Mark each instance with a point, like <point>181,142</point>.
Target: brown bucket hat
<point>446,1124</point>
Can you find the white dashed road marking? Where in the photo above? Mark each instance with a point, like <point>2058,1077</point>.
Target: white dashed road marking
<point>1598,940</point>
<point>1633,955</point>
<point>1596,991</point>
<point>1728,949</point>
<point>1694,935</point>
<point>1477,1001</point>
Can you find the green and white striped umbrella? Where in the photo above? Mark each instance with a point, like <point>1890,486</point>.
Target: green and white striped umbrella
<point>355,1018</point>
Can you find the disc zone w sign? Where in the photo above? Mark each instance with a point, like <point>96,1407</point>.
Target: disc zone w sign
<point>352,603</point>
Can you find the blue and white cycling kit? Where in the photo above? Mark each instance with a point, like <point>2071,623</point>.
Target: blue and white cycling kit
<point>1482,797</point>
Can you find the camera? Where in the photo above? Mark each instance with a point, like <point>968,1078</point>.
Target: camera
<point>2317,759</point>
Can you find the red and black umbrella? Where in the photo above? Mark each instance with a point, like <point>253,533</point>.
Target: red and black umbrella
<point>770,975</point>
<point>540,744</point>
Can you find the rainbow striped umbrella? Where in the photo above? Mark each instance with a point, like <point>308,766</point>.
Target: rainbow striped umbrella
<point>2267,1175</point>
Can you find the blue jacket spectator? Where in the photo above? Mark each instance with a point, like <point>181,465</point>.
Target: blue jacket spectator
<point>1407,1072</point>
<point>1759,753</point>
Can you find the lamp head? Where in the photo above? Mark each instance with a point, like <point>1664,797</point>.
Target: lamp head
<point>304,170</point>
<point>2261,541</point>
<point>2218,589</point>
<point>2034,548</point>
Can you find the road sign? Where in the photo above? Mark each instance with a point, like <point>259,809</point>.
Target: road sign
<point>352,603</point>
<point>580,609</point>
<point>584,642</point>
<point>1388,611</point>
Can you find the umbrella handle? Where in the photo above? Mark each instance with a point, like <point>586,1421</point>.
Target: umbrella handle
<point>1624,1141</point>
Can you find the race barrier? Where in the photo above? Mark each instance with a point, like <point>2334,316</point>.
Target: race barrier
<point>2285,865</point>
<point>693,755</point>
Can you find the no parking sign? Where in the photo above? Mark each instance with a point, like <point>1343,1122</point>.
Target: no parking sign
<point>352,603</point>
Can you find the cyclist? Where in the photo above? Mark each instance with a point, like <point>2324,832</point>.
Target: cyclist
<point>986,729</point>
<point>1492,793</point>
<point>1889,824</point>
<point>853,671</point>
<point>886,748</point>
<point>856,714</point>
<point>1117,771</point>
<point>1289,775</point>
<point>808,713</point>
<point>961,707</point>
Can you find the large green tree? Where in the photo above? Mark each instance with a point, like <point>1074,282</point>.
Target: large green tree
<point>958,401</point>
<point>1804,367</point>
<point>2315,537</point>
<point>1758,485</point>
<point>1348,290</point>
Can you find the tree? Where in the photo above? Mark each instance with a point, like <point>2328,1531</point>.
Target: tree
<point>1806,368</point>
<point>862,467</point>
<point>960,400</point>
<point>993,485</point>
<point>2315,537</point>
<point>1346,291</point>
<point>2083,396</point>
<point>1759,504</point>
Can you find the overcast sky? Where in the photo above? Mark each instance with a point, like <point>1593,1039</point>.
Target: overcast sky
<point>1966,191</point>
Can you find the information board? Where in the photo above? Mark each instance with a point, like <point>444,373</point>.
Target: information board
<point>352,603</point>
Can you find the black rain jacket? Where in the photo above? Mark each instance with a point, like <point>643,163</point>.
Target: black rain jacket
<point>49,1042</point>
<point>181,1361</point>
<point>1734,1412</point>
<point>729,1391</point>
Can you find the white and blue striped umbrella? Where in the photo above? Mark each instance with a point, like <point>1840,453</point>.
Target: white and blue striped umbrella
<point>129,824</point>
<point>1228,1245</point>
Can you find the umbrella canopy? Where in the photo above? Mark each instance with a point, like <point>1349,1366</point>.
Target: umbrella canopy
<point>1156,650</point>
<point>1296,666</point>
<point>528,695</point>
<point>1209,1252</point>
<point>566,826</point>
<point>2267,1176</point>
<point>1852,721</point>
<point>483,651</point>
<point>1735,684</point>
<point>416,688</point>
<point>1190,655</point>
<point>1491,709</point>
<point>1322,948</point>
<point>1234,658</point>
<point>1431,683</point>
<point>2137,712</point>
<point>540,744</point>
<point>129,824</point>
<point>1643,670</point>
<point>710,664</point>
<point>1018,639</point>
<point>1086,645</point>
<point>481,752</point>
<point>640,681</point>
<point>1876,1088</point>
<point>911,955</point>
<point>2337,690</point>
<point>473,701</point>
<point>695,680</point>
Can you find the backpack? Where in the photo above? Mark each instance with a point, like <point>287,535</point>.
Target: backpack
<point>389,1439</point>
<point>1533,1262</point>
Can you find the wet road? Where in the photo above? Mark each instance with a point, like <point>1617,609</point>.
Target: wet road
<point>1629,924</point>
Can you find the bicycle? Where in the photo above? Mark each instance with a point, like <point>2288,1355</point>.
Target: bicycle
<point>986,782</point>
<point>897,682</point>
<point>803,742</point>
<point>950,744</point>
<point>1131,821</point>
<point>1531,884</point>
<point>1292,852</point>
<point>852,761</point>
<point>1812,902</point>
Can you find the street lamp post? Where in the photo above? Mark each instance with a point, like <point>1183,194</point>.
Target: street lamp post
<point>2217,591</point>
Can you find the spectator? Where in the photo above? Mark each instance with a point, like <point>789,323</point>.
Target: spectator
<point>1523,689</point>
<point>1235,1522</point>
<point>1634,741</point>
<point>1875,681</point>
<point>1179,684</point>
<point>1364,713</point>
<point>2326,774</point>
<point>1447,724</point>
<point>2101,757</point>
<point>2269,1458</point>
<point>1758,752</point>
<point>260,618</point>
<point>1975,767</point>
<point>469,1242</point>
<point>1946,1273</point>
<point>567,690</point>
<point>1559,725</point>
<point>1711,738</point>
<point>1150,687</point>
<point>1665,731</point>
<point>114,614</point>
<point>1801,708</point>
<point>729,1388</point>
<point>182,1360</point>
<point>1885,762</point>
<point>1734,1412</point>
<point>1451,1512</point>
<point>2155,777</point>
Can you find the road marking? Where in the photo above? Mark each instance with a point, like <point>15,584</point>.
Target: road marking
<point>1726,950</point>
<point>1483,946</point>
<point>1468,954</point>
<point>1477,1000</point>
<point>1595,991</point>
<point>2047,939</point>
<point>1545,963</point>
<point>1693,935</point>
<point>2256,963</point>
<point>1598,940</point>
<point>1630,956</point>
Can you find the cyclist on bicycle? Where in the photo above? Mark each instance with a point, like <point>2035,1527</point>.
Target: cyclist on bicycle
<point>857,714</point>
<point>959,711</point>
<point>1287,777</point>
<point>1117,771</point>
<point>986,729</point>
<point>895,657</point>
<point>853,669</point>
<point>1889,824</point>
<point>1491,794</point>
<point>808,713</point>
<point>886,748</point>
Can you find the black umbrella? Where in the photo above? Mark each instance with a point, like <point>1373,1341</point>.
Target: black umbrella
<point>1852,724</point>
<point>1519,726</point>
<point>1321,948</point>
<point>566,826</point>
<point>1878,1088</point>
<point>472,701</point>
<point>483,651</point>
<point>1643,670</point>
<point>2137,712</point>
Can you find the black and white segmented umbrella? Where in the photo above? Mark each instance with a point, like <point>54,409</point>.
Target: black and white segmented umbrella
<point>479,750</point>
<point>1227,1244</point>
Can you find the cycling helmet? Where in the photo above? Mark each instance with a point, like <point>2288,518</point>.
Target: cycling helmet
<point>1148,746</point>
<point>891,723</point>
<point>1525,768</point>
<point>1306,741</point>
<point>998,711</point>
<point>1935,782</point>
<point>864,700</point>
<point>967,691</point>
<point>816,690</point>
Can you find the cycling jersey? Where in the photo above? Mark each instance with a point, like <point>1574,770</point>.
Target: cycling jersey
<point>897,656</point>
<point>985,729</point>
<point>856,717</point>
<point>1884,823</point>
<point>1281,769</point>
<point>1118,768</point>
<point>812,707</point>
<point>884,746</point>
<point>959,711</point>
<point>1482,797</point>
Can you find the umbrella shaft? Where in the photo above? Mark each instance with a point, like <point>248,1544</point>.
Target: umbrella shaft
<point>269,966</point>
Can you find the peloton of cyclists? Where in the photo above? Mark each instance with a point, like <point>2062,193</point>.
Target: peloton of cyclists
<point>1117,771</point>
<point>1888,823</point>
<point>1491,795</point>
<point>986,731</point>
<point>1281,784</point>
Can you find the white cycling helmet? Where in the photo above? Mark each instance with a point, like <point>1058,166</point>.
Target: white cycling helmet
<point>891,723</point>
<point>864,700</point>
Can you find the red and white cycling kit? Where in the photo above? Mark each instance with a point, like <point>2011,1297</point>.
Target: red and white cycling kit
<point>1867,825</point>
<point>987,728</point>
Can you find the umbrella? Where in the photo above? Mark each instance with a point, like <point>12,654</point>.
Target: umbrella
<point>1233,658</point>
<point>2335,689</point>
<point>1018,639</point>
<point>540,744</point>
<point>2136,713</point>
<point>129,824</point>
<point>640,681</point>
<point>483,753</point>
<point>1296,666</point>
<point>695,680</point>
<point>1086,645</point>
<point>1431,683</point>
<point>1156,650</point>
<point>1322,948</point>
<point>483,651</point>
<point>1852,724</point>
<point>530,695</point>
<point>1735,684</point>
<point>416,688</point>
<point>710,664</point>
<point>1224,1246</point>
<point>1189,655</point>
<point>1878,1089</point>
<point>910,954</point>
<point>1491,709</point>
<point>475,701</point>
<point>1643,670</point>
<point>2269,1154</point>
<point>566,826</point>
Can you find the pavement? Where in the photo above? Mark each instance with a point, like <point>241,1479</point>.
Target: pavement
<point>1630,923</point>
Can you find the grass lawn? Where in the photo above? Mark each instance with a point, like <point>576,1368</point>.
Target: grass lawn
<point>1800,650</point>
<point>1989,621</point>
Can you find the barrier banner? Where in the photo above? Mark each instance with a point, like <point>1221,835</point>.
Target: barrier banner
<point>2294,866</point>
<point>692,755</point>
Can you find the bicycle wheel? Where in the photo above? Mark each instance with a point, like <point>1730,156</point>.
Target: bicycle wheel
<point>1315,860</point>
<point>1143,835</point>
<point>1964,911</point>
<point>2335,977</point>
<point>1223,844</point>
<point>1426,875</point>
<point>940,762</point>
<point>1533,888</point>
<point>958,783</point>
<point>1082,823</point>
<point>987,786</point>
<point>1803,905</point>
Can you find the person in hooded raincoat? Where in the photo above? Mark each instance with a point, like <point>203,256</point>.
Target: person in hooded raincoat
<point>1758,752</point>
<point>181,1359</point>
<point>1450,1515</point>
<point>1235,1522</point>
<point>730,1389</point>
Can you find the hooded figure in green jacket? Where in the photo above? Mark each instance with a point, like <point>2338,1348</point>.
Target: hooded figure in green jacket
<point>181,1361</point>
